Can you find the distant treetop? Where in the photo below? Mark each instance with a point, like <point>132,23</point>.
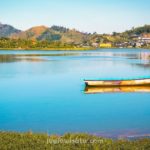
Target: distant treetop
<point>59,28</point>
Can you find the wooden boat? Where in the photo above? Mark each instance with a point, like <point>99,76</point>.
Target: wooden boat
<point>117,89</point>
<point>109,83</point>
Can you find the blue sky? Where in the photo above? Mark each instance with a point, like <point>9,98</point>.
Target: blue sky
<point>102,16</point>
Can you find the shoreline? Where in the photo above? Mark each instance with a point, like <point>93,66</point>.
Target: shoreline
<point>49,49</point>
<point>68,49</point>
<point>103,135</point>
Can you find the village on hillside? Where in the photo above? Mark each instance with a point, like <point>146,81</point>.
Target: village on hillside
<point>135,40</point>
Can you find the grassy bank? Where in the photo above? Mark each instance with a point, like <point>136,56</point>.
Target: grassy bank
<point>30,141</point>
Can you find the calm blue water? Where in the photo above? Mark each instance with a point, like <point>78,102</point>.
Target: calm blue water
<point>43,91</point>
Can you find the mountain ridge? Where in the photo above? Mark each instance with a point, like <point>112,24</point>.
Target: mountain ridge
<point>59,36</point>
<point>7,30</point>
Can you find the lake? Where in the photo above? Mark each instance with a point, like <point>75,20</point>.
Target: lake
<point>43,91</point>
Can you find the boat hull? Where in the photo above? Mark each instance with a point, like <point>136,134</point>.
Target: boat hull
<point>121,89</point>
<point>107,83</point>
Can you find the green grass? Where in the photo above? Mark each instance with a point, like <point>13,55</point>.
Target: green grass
<point>30,141</point>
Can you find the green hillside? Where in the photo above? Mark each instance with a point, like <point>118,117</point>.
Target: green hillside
<point>139,30</point>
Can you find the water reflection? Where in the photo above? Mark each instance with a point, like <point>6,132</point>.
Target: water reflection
<point>145,56</point>
<point>122,89</point>
<point>12,56</point>
<point>15,58</point>
<point>4,58</point>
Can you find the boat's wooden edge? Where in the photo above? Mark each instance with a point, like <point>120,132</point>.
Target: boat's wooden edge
<point>117,86</point>
<point>118,79</point>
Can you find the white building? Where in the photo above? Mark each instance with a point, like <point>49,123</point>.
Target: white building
<point>144,39</point>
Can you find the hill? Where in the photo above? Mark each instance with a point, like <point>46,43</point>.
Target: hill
<point>7,30</point>
<point>32,33</point>
<point>43,37</point>
<point>54,33</point>
<point>139,30</point>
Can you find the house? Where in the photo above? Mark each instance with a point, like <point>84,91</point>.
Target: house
<point>138,44</point>
<point>95,44</point>
<point>145,38</point>
<point>134,36</point>
<point>105,45</point>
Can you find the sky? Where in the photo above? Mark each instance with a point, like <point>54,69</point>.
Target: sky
<point>101,16</point>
